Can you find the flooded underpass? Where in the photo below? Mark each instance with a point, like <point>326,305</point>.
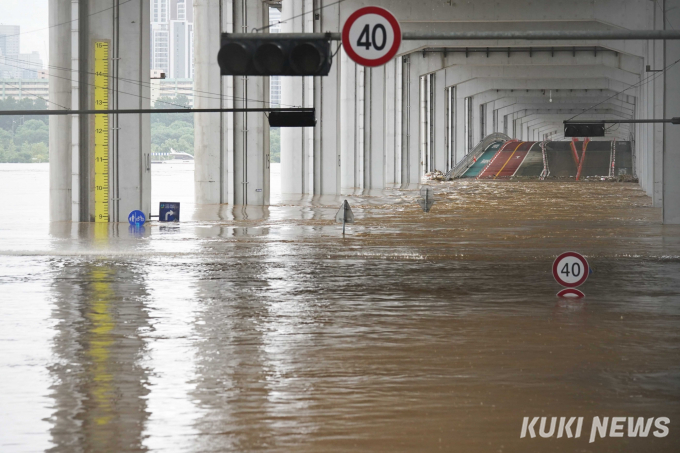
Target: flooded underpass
<point>263,329</point>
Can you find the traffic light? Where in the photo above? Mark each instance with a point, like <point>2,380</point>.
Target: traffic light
<point>274,54</point>
<point>584,129</point>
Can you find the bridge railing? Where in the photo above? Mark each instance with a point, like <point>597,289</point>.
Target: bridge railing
<point>461,167</point>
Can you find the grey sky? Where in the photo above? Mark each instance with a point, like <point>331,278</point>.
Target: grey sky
<point>29,15</point>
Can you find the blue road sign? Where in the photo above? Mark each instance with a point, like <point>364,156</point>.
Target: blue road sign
<point>168,212</point>
<point>136,218</point>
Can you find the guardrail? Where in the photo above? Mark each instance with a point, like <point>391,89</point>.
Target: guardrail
<point>461,167</point>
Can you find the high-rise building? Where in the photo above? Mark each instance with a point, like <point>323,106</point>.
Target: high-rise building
<point>15,65</point>
<point>160,47</point>
<point>160,11</point>
<point>172,38</point>
<point>9,40</point>
<point>30,65</point>
<point>181,40</point>
<point>160,35</point>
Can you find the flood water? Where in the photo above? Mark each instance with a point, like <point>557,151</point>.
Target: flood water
<point>263,329</point>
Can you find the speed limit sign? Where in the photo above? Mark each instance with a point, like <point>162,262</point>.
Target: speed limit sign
<point>571,269</point>
<point>371,36</point>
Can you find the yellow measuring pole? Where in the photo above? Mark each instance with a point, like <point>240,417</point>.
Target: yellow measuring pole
<point>101,132</point>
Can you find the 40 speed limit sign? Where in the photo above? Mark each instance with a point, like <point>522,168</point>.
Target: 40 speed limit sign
<point>571,269</point>
<point>371,36</point>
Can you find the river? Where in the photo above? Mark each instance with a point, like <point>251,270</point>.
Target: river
<point>263,329</point>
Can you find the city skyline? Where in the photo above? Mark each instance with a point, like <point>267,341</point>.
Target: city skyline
<point>13,63</point>
<point>32,17</point>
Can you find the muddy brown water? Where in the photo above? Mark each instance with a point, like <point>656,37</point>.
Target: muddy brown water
<point>262,329</point>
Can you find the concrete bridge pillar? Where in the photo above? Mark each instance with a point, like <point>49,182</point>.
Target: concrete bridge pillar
<point>60,126</point>
<point>231,150</point>
<point>671,156</point>
<point>297,144</point>
<point>74,31</point>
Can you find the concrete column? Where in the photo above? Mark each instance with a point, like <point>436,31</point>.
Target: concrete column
<point>76,198</point>
<point>348,118</point>
<point>389,114</point>
<point>671,158</point>
<point>132,141</point>
<point>231,150</point>
<point>209,146</point>
<point>376,121</point>
<point>412,168</point>
<point>440,148</point>
<point>251,130</point>
<point>60,126</point>
<point>126,29</point>
<point>293,90</point>
<point>328,92</point>
<point>658,87</point>
<point>398,121</point>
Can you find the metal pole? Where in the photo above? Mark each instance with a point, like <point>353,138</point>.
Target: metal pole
<point>487,35</point>
<point>675,120</point>
<point>344,216</point>
<point>138,111</point>
<point>544,35</point>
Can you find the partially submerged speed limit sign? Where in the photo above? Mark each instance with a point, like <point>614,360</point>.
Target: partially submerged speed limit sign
<point>371,36</point>
<point>571,269</point>
<point>571,293</point>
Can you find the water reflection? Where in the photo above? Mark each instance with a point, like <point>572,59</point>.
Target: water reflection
<point>137,230</point>
<point>99,386</point>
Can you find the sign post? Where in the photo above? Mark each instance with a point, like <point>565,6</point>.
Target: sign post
<point>427,199</point>
<point>344,215</point>
<point>571,270</point>
<point>371,36</point>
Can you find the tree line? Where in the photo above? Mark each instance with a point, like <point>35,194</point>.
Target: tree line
<point>25,139</point>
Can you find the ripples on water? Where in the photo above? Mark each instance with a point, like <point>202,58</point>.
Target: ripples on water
<point>262,329</point>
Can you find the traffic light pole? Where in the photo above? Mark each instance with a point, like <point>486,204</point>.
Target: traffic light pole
<point>485,35</point>
<point>675,120</point>
<point>142,111</point>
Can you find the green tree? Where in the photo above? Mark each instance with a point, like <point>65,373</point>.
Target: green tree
<point>32,131</point>
<point>178,135</point>
<point>165,102</point>
<point>9,123</point>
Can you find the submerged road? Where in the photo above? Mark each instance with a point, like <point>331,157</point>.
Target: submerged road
<point>262,329</point>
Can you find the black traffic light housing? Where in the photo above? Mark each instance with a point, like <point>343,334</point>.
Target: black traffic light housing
<point>280,54</point>
<point>306,118</point>
<point>584,129</point>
